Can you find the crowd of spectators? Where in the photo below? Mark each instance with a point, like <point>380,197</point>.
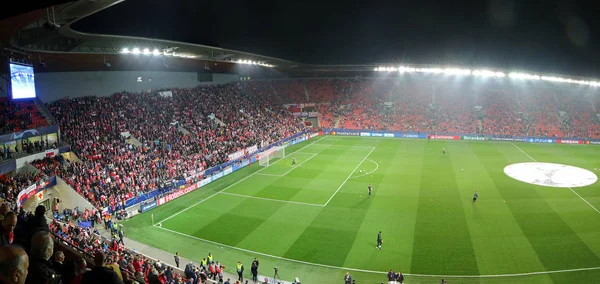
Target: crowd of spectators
<point>427,106</point>
<point>129,265</point>
<point>219,120</point>
<point>27,252</point>
<point>10,186</point>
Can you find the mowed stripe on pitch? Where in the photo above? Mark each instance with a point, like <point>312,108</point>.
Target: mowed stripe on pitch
<point>393,209</point>
<point>500,244</point>
<point>331,235</point>
<point>442,239</point>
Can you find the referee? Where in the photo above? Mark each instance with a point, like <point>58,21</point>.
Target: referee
<point>370,190</point>
<point>475,196</point>
<point>379,241</point>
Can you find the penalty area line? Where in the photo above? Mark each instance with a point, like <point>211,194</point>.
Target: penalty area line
<point>233,184</point>
<point>346,180</point>
<point>378,272</point>
<point>572,190</point>
<point>272,199</point>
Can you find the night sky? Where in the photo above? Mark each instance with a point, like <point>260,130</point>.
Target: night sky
<point>546,35</point>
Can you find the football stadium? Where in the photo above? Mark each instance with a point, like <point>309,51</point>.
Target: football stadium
<point>131,159</point>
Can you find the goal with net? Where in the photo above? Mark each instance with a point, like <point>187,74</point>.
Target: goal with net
<point>267,157</point>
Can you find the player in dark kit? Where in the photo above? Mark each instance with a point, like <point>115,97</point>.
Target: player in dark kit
<point>444,151</point>
<point>475,196</point>
<point>370,190</point>
<point>379,241</point>
<point>293,162</point>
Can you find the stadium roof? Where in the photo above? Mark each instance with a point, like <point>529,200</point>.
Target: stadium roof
<point>51,33</point>
<point>51,40</point>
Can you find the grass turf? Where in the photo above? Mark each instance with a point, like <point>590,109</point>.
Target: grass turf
<point>421,202</point>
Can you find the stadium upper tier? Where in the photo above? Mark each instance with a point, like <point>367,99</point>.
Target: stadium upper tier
<point>447,106</point>
<point>17,116</point>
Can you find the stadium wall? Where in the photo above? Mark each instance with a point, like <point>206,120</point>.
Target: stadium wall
<point>69,197</point>
<point>57,85</point>
<point>57,188</point>
<point>219,78</point>
<point>4,85</point>
<point>458,136</point>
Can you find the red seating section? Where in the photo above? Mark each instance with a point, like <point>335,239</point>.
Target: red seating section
<point>17,116</point>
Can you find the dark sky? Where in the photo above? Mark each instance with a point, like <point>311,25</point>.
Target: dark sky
<point>539,35</point>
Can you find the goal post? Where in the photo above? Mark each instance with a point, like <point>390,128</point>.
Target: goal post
<point>265,158</point>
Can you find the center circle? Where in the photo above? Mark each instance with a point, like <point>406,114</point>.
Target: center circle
<point>550,174</point>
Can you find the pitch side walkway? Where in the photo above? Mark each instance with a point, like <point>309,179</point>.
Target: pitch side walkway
<point>167,257</point>
<point>163,256</point>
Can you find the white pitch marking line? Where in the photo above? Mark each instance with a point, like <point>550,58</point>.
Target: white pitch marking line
<point>272,199</point>
<point>284,174</point>
<point>379,272</point>
<point>295,167</point>
<point>341,145</point>
<point>228,187</point>
<point>349,176</point>
<point>377,167</point>
<point>596,209</point>
<point>270,175</point>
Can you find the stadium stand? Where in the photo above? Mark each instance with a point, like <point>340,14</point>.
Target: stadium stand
<point>383,104</point>
<point>111,170</point>
<point>291,90</point>
<point>11,185</point>
<point>19,115</point>
<point>196,128</point>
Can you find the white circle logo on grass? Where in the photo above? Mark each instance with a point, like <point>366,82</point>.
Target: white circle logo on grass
<point>549,174</point>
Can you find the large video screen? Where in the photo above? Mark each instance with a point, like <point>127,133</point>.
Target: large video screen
<point>22,81</point>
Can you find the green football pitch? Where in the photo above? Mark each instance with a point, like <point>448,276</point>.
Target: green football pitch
<point>315,220</point>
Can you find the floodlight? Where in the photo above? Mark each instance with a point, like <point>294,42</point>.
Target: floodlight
<point>156,52</point>
<point>456,71</point>
<point>518,75</point>
<point>125,50</point>
<point>136,51</point>
<point>488,73</point>
<point>146,51</point>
